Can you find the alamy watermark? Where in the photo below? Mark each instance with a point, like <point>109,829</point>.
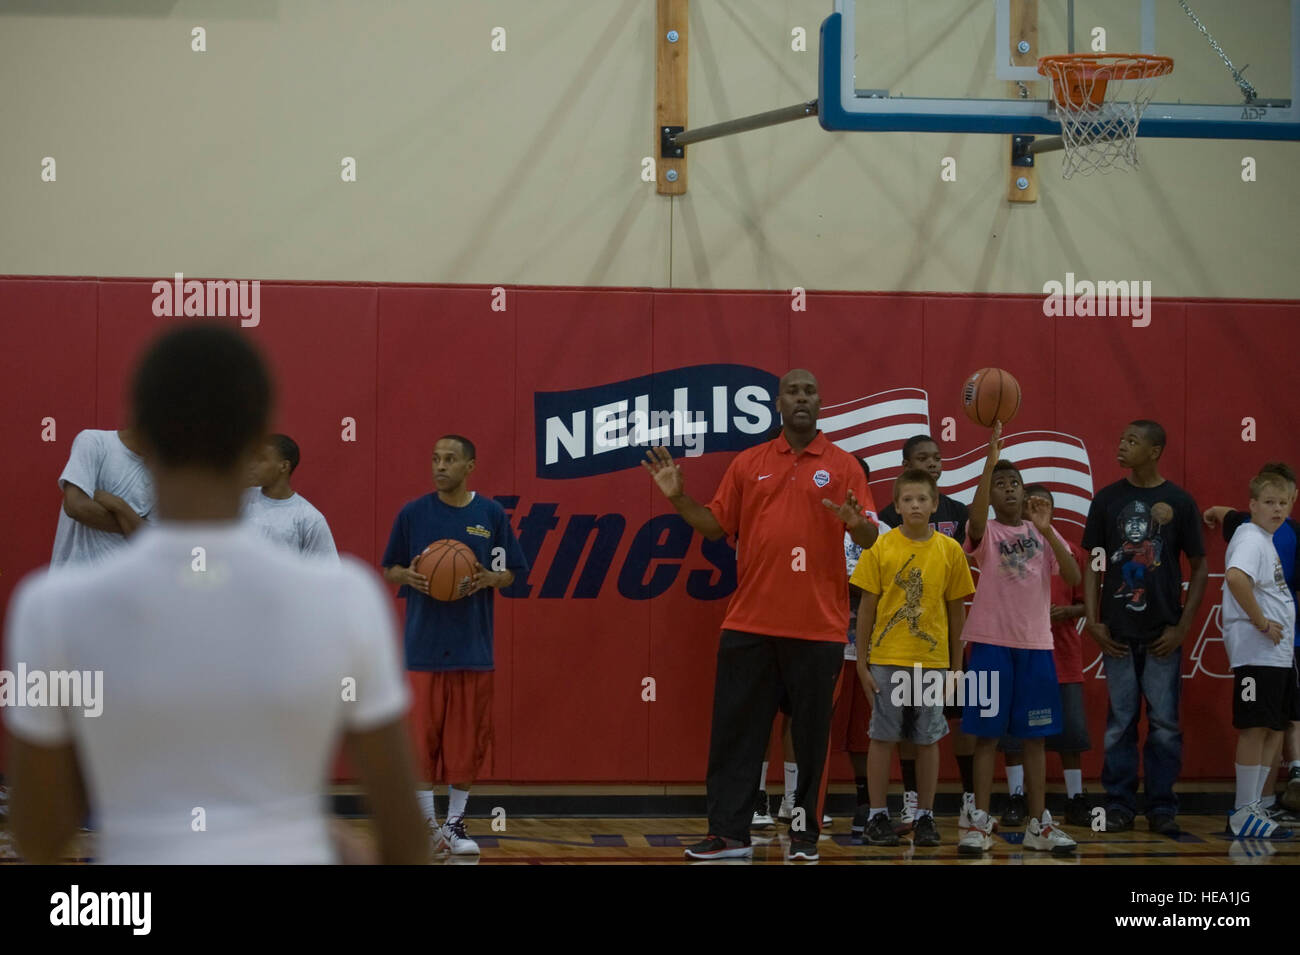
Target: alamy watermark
<point>213,298</point>
<point>615,427</point>
<point>77,908</point>
<point>932,687</point>
<point>74,689</point>
<point>1124,298</point>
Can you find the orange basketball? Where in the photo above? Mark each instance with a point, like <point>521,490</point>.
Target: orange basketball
<point>446,563</point>
<point>990,395</point>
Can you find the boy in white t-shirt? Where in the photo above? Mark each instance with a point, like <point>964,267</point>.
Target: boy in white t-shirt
<point>1010,633</point>
<point>277,510</point>
<point>1258,632</point>
<point>107,495</point>
<point>217,675</point>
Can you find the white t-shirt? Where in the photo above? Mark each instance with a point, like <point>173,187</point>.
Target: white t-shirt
<point>99,461</point>
<point>1251,551</point>
<point>293,522</point>
<point>852,554</point>
<point>223,689</point>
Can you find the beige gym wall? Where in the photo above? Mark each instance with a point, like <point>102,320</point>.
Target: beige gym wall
<point>523,167</point>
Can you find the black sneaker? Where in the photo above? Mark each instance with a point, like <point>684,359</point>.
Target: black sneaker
<point>1279,813</point>
<point>1291,795</point>
<point>803,850</point>
<point>762,813</point>
<point>1118,819</point>
<point>1164,823</point>
<point>924,831</point>
<point>716,847</point>
<point>1016,812</point>
<point>1078,810</point>
<point>859,825</point>
<point>880,832</point>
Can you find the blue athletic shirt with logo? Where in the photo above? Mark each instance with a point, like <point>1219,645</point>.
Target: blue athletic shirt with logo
<point>456,634</point>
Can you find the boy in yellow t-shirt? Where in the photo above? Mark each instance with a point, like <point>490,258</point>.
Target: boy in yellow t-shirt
<point>914,583</point>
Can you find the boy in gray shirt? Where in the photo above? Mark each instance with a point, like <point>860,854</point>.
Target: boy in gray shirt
<point>107,495</point>
<point>277,510</point>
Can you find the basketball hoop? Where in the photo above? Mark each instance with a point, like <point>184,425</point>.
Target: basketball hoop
<point>1099,100</point>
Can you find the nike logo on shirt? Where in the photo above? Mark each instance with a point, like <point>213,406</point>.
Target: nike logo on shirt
<point>762,476</point>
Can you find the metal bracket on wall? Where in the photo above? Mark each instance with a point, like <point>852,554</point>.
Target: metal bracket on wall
<point>1020,151</point>
<point>667,148</point>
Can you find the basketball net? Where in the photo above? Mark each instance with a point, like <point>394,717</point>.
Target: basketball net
<point>1099,100</point>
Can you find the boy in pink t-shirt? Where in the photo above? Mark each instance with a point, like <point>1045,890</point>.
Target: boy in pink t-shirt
<point>1010,633</point>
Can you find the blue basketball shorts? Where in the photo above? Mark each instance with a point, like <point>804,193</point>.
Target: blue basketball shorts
<point>1023,686</point>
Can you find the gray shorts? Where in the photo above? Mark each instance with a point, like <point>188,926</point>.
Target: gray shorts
<point>892,723</point>
<point>1074,736</point>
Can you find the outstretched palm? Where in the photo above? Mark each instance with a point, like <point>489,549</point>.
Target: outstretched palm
<point>664,470</point>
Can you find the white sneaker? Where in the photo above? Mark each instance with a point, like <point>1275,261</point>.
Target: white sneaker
<point>967,810</point>
<point>1252,822</point>
<point>458,841</point>
<point>978,839</point>
<point>1046,837</point>
<point>908,815</point>
<point>786,811</point>
<point>437,841</point>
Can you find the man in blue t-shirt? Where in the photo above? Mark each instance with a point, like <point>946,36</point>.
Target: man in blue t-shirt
<point>449,643</point>
<point>1286,541</point>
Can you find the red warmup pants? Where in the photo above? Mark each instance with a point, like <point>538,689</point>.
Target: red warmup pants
<point>451,723</point>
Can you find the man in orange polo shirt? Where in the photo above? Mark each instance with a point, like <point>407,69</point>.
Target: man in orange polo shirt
<point>787,620</point>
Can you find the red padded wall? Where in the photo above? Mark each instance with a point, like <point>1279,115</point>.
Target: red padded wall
<point>410,363</point>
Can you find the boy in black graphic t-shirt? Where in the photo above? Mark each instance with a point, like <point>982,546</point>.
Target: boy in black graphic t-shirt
<point>1136,614</point>
<point>921,451</point>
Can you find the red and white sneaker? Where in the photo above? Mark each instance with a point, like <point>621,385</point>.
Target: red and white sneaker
<point>977,839</point>
<point>716,847</point>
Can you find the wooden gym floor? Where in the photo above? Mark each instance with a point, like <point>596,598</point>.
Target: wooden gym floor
<point>660,841</point>
<point>578,841</point>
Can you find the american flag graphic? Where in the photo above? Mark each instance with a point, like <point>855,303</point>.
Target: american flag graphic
<point>874,428</point>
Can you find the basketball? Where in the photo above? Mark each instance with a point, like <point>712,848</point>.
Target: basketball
<point>990,395</point>
<point>446,563</point>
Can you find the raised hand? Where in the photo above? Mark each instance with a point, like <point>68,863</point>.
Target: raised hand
<point>995,442</point>
<point>1040,512</point>
<point>849,512</point>
<point>667,475</point>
